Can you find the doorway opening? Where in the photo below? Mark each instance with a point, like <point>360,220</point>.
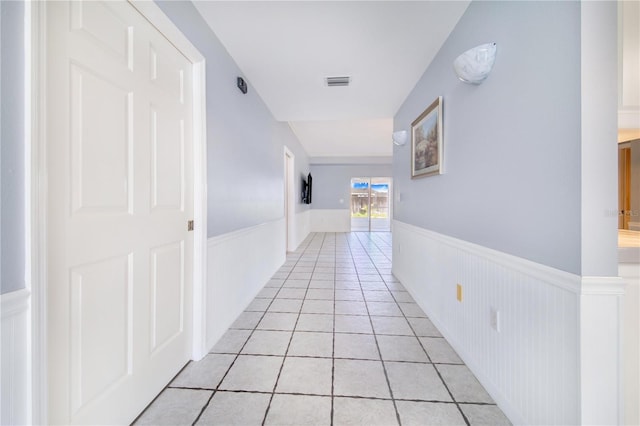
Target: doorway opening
<point>629,185</point>
<point>370,204</point>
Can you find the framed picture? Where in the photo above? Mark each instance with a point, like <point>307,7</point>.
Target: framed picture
<point>426,141</point>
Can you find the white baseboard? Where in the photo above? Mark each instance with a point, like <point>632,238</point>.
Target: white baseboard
<point>15,356</point>
<point>531,367</point>
<point>330,220</point>
<point>239,264</point>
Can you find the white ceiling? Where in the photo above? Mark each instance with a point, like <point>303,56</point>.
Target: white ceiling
<point>285,50</point>
<point>345,138</point>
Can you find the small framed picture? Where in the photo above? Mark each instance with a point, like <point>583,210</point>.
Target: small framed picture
<point>426,141</point>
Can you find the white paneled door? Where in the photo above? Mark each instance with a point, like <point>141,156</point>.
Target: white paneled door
<point>120,185</point>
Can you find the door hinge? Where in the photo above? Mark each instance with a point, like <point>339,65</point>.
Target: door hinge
<point>190,225</point>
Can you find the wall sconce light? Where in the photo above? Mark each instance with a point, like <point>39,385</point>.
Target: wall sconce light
<point>474,65</point>
<point>400,137</point>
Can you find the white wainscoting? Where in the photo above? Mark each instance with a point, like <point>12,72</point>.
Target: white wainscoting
<point>239,264</point>
<point>531,366</point>
<point>302,227</point>
<point>630,273</point>
<point>330,220</point>
<point>15,367</point>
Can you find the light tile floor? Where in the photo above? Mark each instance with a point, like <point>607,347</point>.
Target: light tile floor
<point>332,339</point>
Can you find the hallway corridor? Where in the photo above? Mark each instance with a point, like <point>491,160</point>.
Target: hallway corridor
<point>332,339</point>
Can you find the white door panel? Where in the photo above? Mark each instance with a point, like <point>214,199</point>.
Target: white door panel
<point>101,335</point>
<point>105,24</point>
<point>167,145</point>
<point>167,298</point>
<point>101,144</point>
<point>119,159</point>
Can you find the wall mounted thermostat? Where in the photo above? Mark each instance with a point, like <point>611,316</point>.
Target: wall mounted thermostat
<point>242,85</point>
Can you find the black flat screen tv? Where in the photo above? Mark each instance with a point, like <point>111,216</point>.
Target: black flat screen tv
<point>306,189</point>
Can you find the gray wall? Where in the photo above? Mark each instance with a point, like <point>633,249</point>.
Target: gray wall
<point>512,145</point>
<point>12,187</point>
<point>332,182</point>
<point>245,143</point>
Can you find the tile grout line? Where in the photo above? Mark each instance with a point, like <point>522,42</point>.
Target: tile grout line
<point>160,393</point>
<point>244,344</point>
<point>384,368</point>
<point>358,253</point>
<point>444,383</point>
<point>168,385</point>
<point>435,367</point>
<point>284,358</point>
<point>418,339</point>
<point>215,390</point>
<point>333,343</point>
<point>377,398</point>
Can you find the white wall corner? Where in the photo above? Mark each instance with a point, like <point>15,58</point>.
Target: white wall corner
<point>601,296</point>
<point>601,386</point>
<point>599,132</point>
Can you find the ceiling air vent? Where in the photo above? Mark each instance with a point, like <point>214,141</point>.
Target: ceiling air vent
<point>337,81</point>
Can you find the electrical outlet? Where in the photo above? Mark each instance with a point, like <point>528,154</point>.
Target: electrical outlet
<point>459,292</point>
<point>495,319</point>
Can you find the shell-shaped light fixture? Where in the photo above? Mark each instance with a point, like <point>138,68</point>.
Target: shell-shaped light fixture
<point>474,65</point>
<point>400,137</point>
